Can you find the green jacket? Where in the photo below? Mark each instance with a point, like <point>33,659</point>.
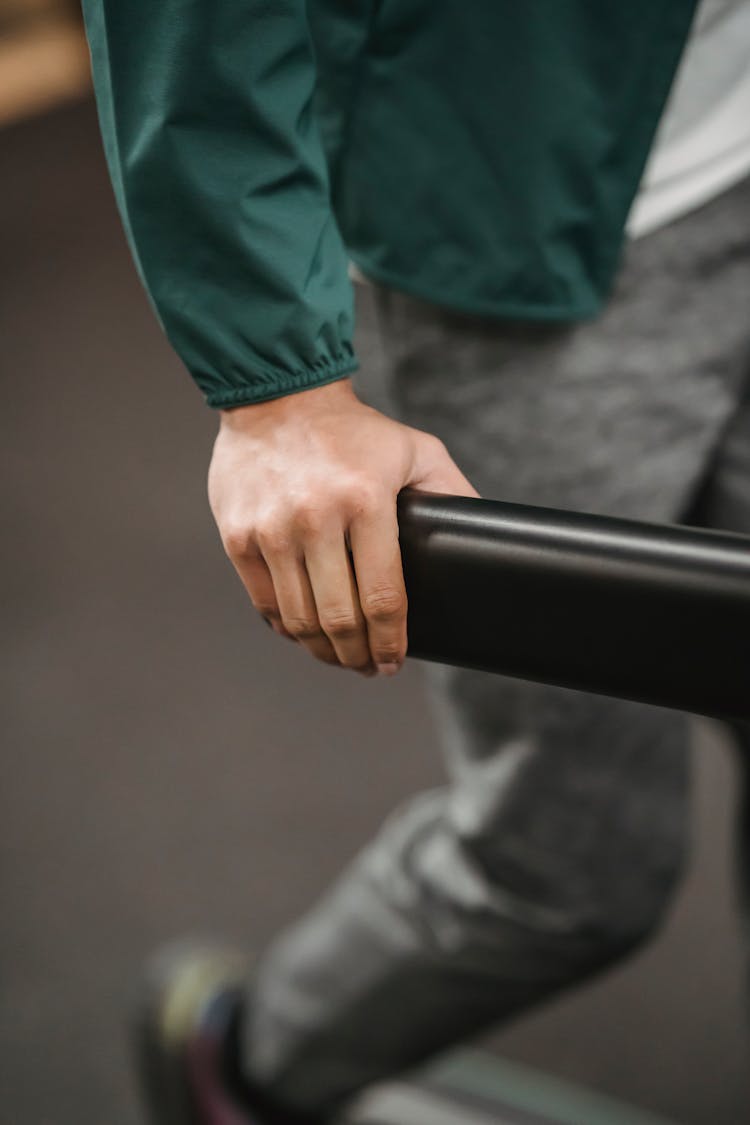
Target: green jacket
<point>482,154</point>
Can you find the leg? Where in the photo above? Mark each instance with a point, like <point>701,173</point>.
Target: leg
<point>562,834</point>
<point>466,911</point>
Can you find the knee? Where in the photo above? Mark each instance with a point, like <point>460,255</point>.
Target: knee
<point>617,925</point>
<point>599,912</point>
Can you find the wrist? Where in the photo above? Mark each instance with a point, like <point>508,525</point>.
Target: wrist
<point>313,400</point>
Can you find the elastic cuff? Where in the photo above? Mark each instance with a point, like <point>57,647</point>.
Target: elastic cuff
<point>276,384</point>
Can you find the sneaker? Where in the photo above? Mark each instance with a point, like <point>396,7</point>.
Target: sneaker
<point>185,1039</point>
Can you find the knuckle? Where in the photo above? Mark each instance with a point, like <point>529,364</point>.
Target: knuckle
<point>364,496</point>
<point>388,648</point>
<point>309,518</point>
<point>236,538</point>
<point>384,604</point>
<point>272,536</point>
<point>341,624</point>
<point>303,628</point>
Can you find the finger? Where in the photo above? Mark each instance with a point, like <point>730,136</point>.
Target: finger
<point>436,471</point>
<point>380,581</point>
<point>256,578</point>
<point>336,598</point>
<point>297,613</point>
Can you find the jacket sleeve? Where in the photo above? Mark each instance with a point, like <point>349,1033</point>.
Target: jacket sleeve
<point>206,112</point>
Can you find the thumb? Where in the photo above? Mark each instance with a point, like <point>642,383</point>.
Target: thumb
<point>436,471</point>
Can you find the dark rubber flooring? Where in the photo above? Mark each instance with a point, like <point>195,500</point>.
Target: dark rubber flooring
<point>169,766</point>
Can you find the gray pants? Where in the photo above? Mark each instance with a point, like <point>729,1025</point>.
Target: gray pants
<point>555,847</point>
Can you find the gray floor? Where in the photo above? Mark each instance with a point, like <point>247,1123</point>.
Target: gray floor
<point>167,764</point>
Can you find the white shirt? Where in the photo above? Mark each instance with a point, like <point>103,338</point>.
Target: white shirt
<point>702,146</point>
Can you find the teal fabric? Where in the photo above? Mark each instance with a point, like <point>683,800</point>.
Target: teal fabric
<point>220,177</point>
<point>492,150</point>
<point>482,156</point>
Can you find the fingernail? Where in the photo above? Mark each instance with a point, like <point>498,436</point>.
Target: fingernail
<point>388,669</point>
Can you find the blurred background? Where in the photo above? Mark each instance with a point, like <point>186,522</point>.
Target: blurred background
<point>170,766</point>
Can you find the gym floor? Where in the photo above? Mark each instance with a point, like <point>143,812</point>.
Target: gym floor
<point>168,765</point>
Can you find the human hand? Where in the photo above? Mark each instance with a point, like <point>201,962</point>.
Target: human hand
<point>303,490</point>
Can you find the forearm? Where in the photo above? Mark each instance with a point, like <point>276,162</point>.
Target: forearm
<point>221,183</point>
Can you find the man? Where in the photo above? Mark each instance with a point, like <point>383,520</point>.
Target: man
<point>481,163</point>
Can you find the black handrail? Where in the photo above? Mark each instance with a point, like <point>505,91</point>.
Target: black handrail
<point>641,611</point>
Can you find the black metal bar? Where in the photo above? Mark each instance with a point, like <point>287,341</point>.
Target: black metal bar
<point>641,611</point>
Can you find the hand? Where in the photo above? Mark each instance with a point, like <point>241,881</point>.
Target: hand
<point>303,490</point>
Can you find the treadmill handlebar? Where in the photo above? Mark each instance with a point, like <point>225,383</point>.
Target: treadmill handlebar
<point>659,614</point>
